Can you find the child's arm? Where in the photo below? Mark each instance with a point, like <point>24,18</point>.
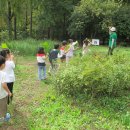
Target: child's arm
<point>74,43</point>
<point>4,85</point>
<point>44,57</point>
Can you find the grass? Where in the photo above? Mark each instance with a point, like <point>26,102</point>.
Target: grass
<point>30,46</point>
<point>36,105</point>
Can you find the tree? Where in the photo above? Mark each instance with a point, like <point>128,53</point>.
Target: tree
<point>93,17</point>
<point>122,21</point>
<point>54,17</point>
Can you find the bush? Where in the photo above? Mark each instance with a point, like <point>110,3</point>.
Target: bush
<point>94,75</point>
<point>30,46</point>
<point>48,45</point>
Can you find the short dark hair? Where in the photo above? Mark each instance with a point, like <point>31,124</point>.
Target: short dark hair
<point>2,60</point>
<point>41,50</point>
<point>64,42</point>
<point>86,42</point>
<point>56,46</point>
<point>70,40</point>
<point>4,52</point>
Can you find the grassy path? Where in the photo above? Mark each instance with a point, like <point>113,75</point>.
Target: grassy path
<point>27,93</point>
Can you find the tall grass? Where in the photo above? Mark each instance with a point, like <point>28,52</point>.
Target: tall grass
<point>29,47</point>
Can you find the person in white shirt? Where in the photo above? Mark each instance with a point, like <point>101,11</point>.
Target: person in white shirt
<point>70,50</point>
<point>86,44</point>
<point>9,70</point>
<point>4,91</point>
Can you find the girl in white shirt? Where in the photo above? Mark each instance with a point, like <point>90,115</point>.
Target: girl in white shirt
<point>70,50</point>
<point>9,70</point>
<point>4,91</point>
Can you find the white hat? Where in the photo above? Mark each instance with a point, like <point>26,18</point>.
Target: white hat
<point>113,29</point>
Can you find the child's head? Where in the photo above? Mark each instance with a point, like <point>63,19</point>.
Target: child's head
<point>41,50</point>
<point>70,40</point>
<point>2,62</point>
<point>5,53</point>
<point>64,43</point>
<point>57,46</point>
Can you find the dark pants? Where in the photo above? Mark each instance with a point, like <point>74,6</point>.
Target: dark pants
<point>10,87</point>
<point>110,50</point>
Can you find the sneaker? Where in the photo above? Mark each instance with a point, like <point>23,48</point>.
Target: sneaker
<point>7,117</point>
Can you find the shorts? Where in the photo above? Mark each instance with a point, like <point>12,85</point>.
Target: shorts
<point>3,107</point>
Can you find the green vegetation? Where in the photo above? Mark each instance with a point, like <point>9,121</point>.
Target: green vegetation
<point>30,46</point>
<point>48,105</point>
<point>95,75</point>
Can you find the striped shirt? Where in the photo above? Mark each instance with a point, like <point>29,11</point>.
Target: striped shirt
<point>41,59</point>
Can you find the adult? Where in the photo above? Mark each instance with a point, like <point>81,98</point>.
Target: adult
<point>112,40</point>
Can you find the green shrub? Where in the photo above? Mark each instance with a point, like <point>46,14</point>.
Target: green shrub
<point>48,45</point>
<point>29,47</point>
<point>94,75</point>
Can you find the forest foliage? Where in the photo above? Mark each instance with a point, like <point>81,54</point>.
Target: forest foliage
<point>54,19</point>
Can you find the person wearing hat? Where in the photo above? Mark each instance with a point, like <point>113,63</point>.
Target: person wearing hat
<point>112,40</point>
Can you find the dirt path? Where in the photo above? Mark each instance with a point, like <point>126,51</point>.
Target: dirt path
<point>27,94</point>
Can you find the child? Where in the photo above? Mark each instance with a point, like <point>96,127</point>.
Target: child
<point>53,56</point>
<point>4,91</point>
<point>86,44</point>
<point>41,56</point>
<point>62,51</point>
<point>70,49</point>
<point>9,70</point>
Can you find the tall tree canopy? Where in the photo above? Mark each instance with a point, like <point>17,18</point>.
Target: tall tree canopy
<point>61,19</point>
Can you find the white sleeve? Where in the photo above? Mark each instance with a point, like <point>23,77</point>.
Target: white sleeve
<point>74,43</point>
<point>59,55</point>
<point>3,78</point>
<point>12,64</point>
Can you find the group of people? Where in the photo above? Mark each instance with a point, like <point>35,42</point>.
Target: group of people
<point>7,79</point>
<point>64,53</point>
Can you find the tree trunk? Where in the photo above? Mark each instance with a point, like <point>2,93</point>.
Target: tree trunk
<point>31,20</point>
<point>9,20</point>
<point>64,26</point>
<point>48,33</point>
<point>26,22</point>
<point>15,28</point>
<point>31,24</point>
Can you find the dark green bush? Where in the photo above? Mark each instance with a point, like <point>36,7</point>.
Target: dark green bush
<point>94,75</point>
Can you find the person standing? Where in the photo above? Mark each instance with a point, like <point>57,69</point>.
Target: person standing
<point>9,70</point>
<point>112,40</point>
<point>70,50</point>
<point>4,91</point>
<point>41,56</point>
<point>53,56</point>
<point>86,44</point>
